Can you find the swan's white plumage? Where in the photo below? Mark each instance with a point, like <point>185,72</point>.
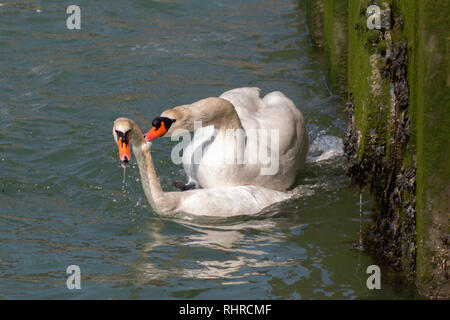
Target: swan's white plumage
<point>273,112</point>
<point>229,201</point>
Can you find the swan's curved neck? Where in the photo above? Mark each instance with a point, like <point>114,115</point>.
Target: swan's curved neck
<point>211,111</point>
<point>150,182</point>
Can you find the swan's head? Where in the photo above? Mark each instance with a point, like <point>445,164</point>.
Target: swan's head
<point>171,123</point>
<point>122,132</point>
<point>161,127</point>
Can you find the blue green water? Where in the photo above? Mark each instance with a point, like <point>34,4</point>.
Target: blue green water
<point>62,201</point>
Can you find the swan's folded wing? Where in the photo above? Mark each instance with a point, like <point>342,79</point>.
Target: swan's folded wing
<point>194,151</point>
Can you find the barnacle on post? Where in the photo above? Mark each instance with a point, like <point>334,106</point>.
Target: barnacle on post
<point>392,235</point>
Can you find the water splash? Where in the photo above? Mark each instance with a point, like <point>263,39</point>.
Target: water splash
<point>123,179</point>
<point>360,245</point>
<point>325,147</point>
<point>304,190</point>
<point>360,221</point>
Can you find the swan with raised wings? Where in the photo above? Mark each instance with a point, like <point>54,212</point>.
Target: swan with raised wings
<point>271,143</point>
<point>219,202</point>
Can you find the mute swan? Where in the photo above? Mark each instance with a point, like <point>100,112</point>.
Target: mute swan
<point>239,109</point>
<point>219,202</point>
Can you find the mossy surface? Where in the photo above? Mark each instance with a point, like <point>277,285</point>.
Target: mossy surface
<point>327,24</point>
<point>427,30</point>
<point>336,48</point>
<point>397,141</point>
<point>315,22</point>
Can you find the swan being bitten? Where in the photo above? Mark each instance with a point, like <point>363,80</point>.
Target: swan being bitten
<point>220,202</point>
<point>239,110</point>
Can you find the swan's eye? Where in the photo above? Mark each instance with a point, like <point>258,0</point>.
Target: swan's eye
<point>167,122</point>
<point>160,127</point>
<point>156,122</point>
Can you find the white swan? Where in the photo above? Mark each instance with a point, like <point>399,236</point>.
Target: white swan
<point>243,111</point>
<point>218,202</point>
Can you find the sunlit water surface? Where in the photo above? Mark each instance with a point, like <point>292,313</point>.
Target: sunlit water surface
<point>62,200</point>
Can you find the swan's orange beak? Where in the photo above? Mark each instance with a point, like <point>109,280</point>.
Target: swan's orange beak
<point>156,132</point>
<point>124,152</point>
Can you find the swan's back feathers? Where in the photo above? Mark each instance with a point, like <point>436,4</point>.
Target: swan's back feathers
<point>247,103</point>
<point>275,111</point>
<point>247,98</point>
<point>273,114</point>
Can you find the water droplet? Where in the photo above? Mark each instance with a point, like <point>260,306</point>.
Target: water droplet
<point>360,221</point>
